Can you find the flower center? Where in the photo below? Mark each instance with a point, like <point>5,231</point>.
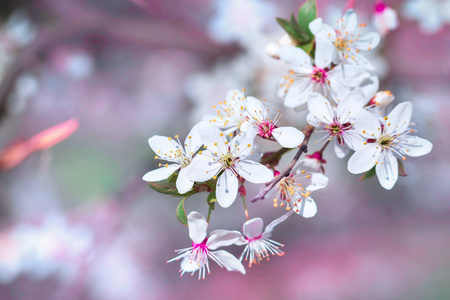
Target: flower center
<point>227,160</point>
<point>182,158</point>
<point>265,129</point>
<point>385,141</point>
<point>319,75</point>
<point>337,129</point>
<point>341,43</point>
<point>200,247</point>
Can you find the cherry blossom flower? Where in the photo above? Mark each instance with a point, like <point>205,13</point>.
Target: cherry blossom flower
<point>257,115</point>
<point>170,150</point>
<point>337,122</point>
<point>344,44</point>
<point>306,78</point>
<point>294,191</point>
<point>225,161</point>
<point>258,244</point>
<point>195,258</point>
<point>232,114</point>
<point>431,14</point>
<point>315,161</point>
<point>384,19</point>
<point>385,142</point>
<point>379,103</point>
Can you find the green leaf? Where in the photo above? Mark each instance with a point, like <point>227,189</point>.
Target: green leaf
<point>306,14</point>
<point>212,199</point>
<point>401,168</point>
<point>181,213</point>
<point>287,26</point>
<point>168,186</point>
<point>368,174</point>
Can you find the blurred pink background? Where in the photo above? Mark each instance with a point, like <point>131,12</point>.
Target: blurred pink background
<point>77,221</point>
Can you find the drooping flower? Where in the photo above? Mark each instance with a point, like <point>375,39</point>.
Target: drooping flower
<point>258,244</point>
<point>315,161</point>
<point>337,122</point>
<point>225,161</point>
<point>384,19</point>
<point>306,78</point>
<point>385,142</point>
<point>195,258</point>
<point>231,115</point>
<point>344,44</point>
<point>294,191</point>
<point>180,157</point>
<point>379,103</point>
<point>257,115</point>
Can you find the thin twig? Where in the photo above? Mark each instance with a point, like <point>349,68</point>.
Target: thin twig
<point>308,130</point>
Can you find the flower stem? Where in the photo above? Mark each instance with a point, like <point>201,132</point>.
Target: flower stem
<point>324,147</point>
<point>209,215</point>
<point>245,208</point>
<point>307,131</point>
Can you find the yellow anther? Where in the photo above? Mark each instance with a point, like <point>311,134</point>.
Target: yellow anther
<point>249,145</point>
<point>176,136</point>
<point>275,200</point>
<point>385,118</point>
<point>243,90</point>
<point>230,135</point>
<point>214,177</point>
<point>156,157</point>
<point>169,138</point>
<point>166,165</point>
<point>221,134</point>
<point>404,158</point>
<point>288,208</point>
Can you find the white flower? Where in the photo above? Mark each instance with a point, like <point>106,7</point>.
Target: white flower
<point>384,142</point>
<point>384,19</point>
<point>258,244</point>
<point>170,150</point>
<point>225,161</point>
<point>294,191</point>
<point>273,49</point>
<point>431,14</point>
<point>232,113</point>
<point>345,43</point>
<point>195,258</point>
<point>306,78</point>
<point>337,122</point>
<point>379,103</point>
<point>257,114</point>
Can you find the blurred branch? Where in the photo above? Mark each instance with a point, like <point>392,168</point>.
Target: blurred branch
<point>81,21</point>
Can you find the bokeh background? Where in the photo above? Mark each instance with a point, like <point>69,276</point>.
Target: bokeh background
<point>77,221</point>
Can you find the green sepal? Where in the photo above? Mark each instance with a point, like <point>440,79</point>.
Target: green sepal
<point>181,213</point>
<point>211,200</point>
<point>168,186</point>
<point>368,174</point>
<point>306,14</point>
<point>401,168</point>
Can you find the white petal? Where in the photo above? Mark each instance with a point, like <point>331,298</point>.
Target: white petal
<point>320,110</point>
<point>189,265</point>
<point>387,170</point>
<point>213,138</point>
<point>226,188</point>
<point>353,139</point>
<point>364,159</point>
<point>340,150</point>
<point>161,173</point>
<point>242,145</point>
<point>163,146</point>
<point>193,141</point>
<point>288,137</point>
<point>230,262</point>
<point>370,86</point>
<point>349,75</point>
<point>350,22</point>
<point>202,167</point>
<point>222,238</point>
<point>296,58</point>
<point>298,94</point>
<point>367,125</point>
<point>415,146</point>
<point>355,99</point>
<point>235,95</point>
<point>197,227</point>
<point>256,109</point>
<point>184,184</point>
<point>269,228</point>
<point>367,41</point>
<point>253,228</point>
<point>318,181</point>
<point>324,50</point>
<point>315,25</point>
<point>399,118</point>
<point>254,172</point>
<point>307,208</point>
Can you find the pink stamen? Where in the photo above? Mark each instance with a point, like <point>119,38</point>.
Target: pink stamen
<point>319,75</point>
<point>265,129</point>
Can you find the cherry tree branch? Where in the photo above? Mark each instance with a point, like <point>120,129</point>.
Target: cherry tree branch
<point>307,131</point>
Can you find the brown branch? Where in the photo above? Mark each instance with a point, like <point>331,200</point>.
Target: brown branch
<point>308,130</point>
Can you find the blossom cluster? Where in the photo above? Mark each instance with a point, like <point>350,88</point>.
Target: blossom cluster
<point>330,77</point>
